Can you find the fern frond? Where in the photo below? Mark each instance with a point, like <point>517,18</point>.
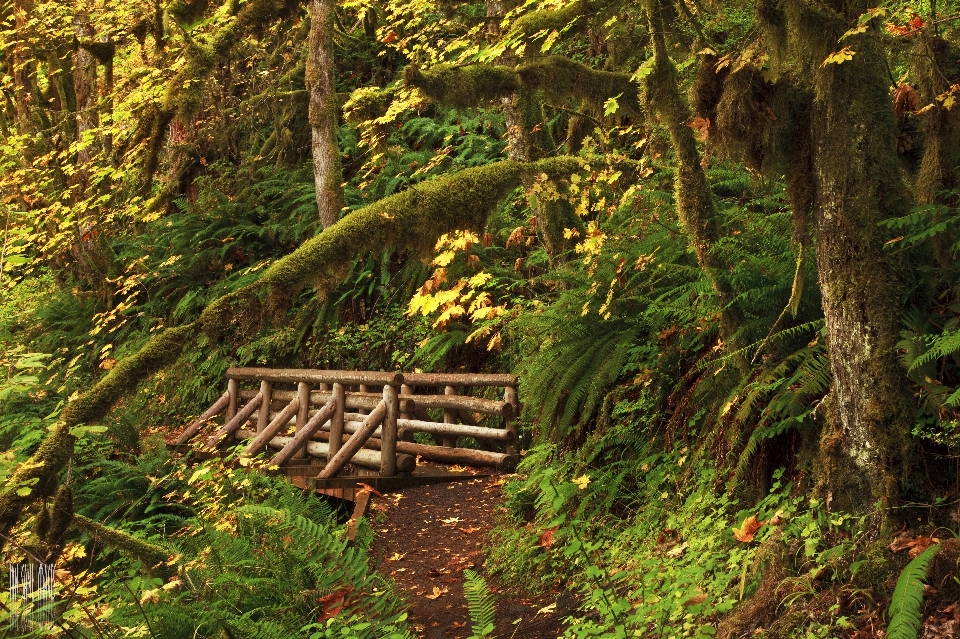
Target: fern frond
<point>907,603</point>
<point>480,603</point>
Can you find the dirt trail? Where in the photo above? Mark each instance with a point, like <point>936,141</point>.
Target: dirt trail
<point>427,536</point>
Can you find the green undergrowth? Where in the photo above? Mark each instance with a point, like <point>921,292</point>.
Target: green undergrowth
<point>240,554</point>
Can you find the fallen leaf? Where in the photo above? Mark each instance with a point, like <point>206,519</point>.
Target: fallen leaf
<point>546,610</point>
<point>906,99</point>
<point>676,551</point>
<point>702,127</point>
<point>333,603</point>
<point>451,520</point>
<point>546,537</point>
<point>469,530</point>
<point>747,529</point>
<point>437,592</point>
<point>582,481</point>
<point>396,556</point>
<point>692,601</point>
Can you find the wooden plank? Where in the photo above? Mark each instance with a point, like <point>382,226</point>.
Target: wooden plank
<point>299,441</point>
<point>372,459</point>
<point>459,379</point>
<point>389,484</point>
<point>460,456</point>
<point>238,420</point>
<point>303,413</point>
<point>355,400</point>
<point>464,402</point>
<point>355,442</point>
<point>232,389</point>
<point>314,376</point>
<point>456,430</point>
<point>362,502</point>
<point>259,443</point>
<point>190,431</point>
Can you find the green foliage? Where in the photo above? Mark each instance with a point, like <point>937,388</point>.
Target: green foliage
<point>480,603</point>
<point>907,603</point>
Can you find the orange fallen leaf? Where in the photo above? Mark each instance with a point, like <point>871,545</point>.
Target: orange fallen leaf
<point>333,603</point>
<point>747,529</point>
<point>546,537</point>
<point>437,592</point>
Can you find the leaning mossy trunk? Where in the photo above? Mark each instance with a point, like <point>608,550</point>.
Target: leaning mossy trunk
<point>323,112</point>
<point>694,199</point>
<point>855,167</point>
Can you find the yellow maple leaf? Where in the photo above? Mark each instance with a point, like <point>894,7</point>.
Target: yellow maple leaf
<point>839,57</point>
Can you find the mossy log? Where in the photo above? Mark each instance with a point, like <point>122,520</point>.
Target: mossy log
<point>153,557</point>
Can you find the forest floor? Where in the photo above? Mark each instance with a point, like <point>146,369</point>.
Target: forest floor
<point>427,537</point>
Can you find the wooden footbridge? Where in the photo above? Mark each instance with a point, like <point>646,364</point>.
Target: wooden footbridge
<point>334,430</point>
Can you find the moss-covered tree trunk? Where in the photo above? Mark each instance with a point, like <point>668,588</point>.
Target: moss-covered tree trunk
<point>327,173</point>
<point>857,184</point>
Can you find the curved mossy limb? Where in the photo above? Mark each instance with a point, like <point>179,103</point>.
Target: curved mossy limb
<point>162,350</point>
<point>414,218</point>
<point>561,78</point>
<point>368,103</point>
<point>39,473</point>
<point>153,557</point>
<point>463,87</point>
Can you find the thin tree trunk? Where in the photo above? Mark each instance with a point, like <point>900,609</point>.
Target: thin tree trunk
<point>327,172</point>
<point>694,199</point>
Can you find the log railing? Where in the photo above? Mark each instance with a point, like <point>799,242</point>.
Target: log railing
<point>364,418</point>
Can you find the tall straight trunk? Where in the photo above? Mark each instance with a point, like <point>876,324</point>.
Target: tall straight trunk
<point>26,97</point>
<point>857,185</point>
<point>327,172</point>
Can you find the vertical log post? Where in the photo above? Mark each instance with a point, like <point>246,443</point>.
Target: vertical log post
<point>336,422</point>
<point>303,413</point>
<point>510,424</point>
<point>233,390</point>
<point>363,389</point>
<point>266,390</point>
<point>449,417</point>
<point>388,436</point>
<point>405,435</point>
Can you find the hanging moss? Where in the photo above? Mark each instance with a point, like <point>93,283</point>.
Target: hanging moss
<point>187,11</point>
<point>463,87</point>
<point>707,87</point>
<point>695,208</point>
<point>558,77</point>
<point>561,78</point>
<point>153,557</point>
<point>743,115</point>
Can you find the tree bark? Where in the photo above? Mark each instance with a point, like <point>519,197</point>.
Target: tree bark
<point>327,172</point>
<point>857,185</point>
